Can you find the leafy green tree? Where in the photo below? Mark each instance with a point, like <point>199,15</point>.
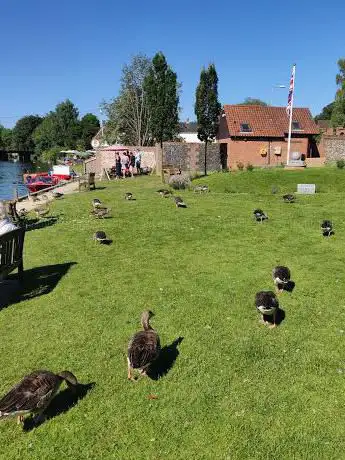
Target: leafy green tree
<point>128,114</point>
<point>326,112</point>
<point>207,107</point>
<point>6,138</point>
<point>45,135</point>
<point>67,124</point>
<point>50,156</point>
<point>89,127</point>
<point>338,113</point>
<point>162,93</point>
<point>22,133</point>
<point>253,101</point>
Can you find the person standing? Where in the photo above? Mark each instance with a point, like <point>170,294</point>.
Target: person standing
<point>124,163</point>
<point>117,166</point>
<point>131,163</point>
<point>138,161</point>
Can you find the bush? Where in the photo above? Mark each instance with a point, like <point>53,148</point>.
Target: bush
<point>179,181</point>
<point>240,165</point>
<point>340,164</point>
<point>249,167</point>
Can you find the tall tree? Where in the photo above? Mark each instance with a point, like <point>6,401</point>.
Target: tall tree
<point>326,112</point>
<point>207,107</point>
<point>338,113</point>
<point>254,101</point>
<point>162,93</point>
<point>89,127</point>
<point>22,133</point>
<point>60,128</point>
<point>67,124</point>
<point>6,138</point>
<point>128,114</point>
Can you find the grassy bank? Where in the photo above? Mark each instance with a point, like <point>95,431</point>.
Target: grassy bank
<point>236,390</point>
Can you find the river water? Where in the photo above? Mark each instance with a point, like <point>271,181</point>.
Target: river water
<point>11,177</point>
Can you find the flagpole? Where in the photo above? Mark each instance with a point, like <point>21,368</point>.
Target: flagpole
<point>291,109</point>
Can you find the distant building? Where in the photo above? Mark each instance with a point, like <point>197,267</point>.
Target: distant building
<point>259,135</point>
<point>327,129</point>
<point>189,132</point>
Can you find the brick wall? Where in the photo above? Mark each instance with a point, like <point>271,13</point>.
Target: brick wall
<point>241,151</point>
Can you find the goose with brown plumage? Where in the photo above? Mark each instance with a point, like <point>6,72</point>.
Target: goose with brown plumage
<point>33,394</point>
<point>144,347</point>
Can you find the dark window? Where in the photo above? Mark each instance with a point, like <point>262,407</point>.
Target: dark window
<point>296,125</point>
<point>245,128</point>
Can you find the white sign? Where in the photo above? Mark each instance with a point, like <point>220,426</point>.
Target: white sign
<point>306,188</point>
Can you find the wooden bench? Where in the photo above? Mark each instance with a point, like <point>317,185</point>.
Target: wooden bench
<point>11,252</point>
<point>87,182</point>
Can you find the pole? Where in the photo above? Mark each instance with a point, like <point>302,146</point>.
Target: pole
<point>291,109</point>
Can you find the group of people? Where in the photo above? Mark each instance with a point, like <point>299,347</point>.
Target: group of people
<point>127,163</point>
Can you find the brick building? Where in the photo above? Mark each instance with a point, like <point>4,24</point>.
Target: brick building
<point>259,135</point>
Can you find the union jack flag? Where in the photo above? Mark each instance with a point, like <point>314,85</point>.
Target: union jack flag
<point>291,90</point>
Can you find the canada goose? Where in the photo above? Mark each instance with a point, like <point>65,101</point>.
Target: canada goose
<point>128,196</point>
<point>289,198</point>
<point>100,236</point>
<point>101,213</point>
<point>327,228</point>
<point>259,215</point>
<point>33,394</point>
<point>179,202</point>
<point>57,195</point>
<point>164,193</point>
<point>281,277</point>
<point>42,211</point>
<point>201,188</point>
<point>144,347</point>
<point>96,203</point>
<point>267,304</point>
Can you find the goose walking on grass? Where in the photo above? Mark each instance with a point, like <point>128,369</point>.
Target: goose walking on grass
<point>259,215</point>
<point>57,195</point>
<point>289,198</point>
<point>100,236</point>
<point>281,277</point>
<point>33,394</point>
<point>201,189</point>
<point>327,228</point>
<point>101,213</point>
<point>144,347</point>
<point>164,193</point>
<point>96,203</point>
<point>128,196</point>
<point>42,211</point>
<point>267,304</point>
<point>179,202</point>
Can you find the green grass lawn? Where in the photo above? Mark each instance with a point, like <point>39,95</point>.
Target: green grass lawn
<point>237,389</point>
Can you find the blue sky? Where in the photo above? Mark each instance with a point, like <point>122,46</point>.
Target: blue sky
<point>53,50</point>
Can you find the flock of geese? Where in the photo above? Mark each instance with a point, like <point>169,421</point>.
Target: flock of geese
<point>33,394</point>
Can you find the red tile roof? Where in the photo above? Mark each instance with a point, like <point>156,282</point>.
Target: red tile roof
<point>267,121</point>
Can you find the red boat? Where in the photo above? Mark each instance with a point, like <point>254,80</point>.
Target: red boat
<point>36,182</point>
<point>42,180</point>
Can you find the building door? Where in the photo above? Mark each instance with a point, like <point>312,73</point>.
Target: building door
<point>224,156</point>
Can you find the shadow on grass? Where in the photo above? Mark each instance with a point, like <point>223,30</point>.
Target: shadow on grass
<point>63,402</point>
<point>36,282</point>
<point>34,224</point>
<point>165,361</point>
<point>280,316</point>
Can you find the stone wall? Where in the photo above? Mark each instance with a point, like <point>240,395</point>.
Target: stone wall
<point>333,148</point>
<point>190,157</point>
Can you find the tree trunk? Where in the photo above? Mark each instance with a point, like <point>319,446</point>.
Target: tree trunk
<point>205,158</point>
